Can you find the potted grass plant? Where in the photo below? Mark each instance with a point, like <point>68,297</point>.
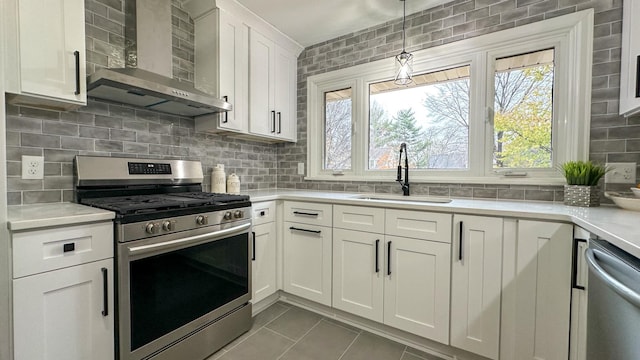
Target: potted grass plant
<point>582,183</point>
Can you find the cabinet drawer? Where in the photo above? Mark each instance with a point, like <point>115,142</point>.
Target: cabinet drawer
<point>307,213</point>
<point>359,218</point>
<point>263,212</point>
<point>44,250</point>
<point>419,225</point>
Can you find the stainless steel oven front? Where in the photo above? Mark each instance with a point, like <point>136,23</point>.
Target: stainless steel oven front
<point>177,292</point>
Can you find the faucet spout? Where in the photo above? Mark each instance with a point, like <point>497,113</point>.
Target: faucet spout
<point>404,184</point>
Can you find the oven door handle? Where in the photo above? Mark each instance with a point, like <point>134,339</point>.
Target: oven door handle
<point>167,245</point>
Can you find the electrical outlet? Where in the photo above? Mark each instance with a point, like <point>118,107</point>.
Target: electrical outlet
<point>32,167</point>
<point>621,173</point>
<point>300,168</point>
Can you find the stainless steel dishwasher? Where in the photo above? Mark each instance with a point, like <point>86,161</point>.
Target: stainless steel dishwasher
<point>613,314</point>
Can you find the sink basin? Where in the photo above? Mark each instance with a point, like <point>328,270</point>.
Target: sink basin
<point>400,198</point>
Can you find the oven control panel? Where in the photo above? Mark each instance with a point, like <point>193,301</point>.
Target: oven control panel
<point>159,227</point>
<point>140,168</point>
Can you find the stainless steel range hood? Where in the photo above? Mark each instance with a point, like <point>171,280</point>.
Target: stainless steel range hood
<point>147,80</point>
<point>151,91</point>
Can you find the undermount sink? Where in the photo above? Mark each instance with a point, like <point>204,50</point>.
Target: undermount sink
<point>401,198</point>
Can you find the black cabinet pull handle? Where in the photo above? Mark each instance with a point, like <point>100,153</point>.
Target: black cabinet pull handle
<point>253,252</point>
<point>76,54</point>
<point>273,121</point>
<point>68,247</point>
<point>638,76</point>
<point>460,238</point>
<point>225,118</point>
<point>262,213</point>
<point>389,258</point>
<point>279,122</point>
<point>574,267</point>
<point>305,230</point>
<point>377,253</point>
<point>305,213</point>
<point>105,292</point>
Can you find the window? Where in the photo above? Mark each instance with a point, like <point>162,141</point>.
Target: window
<point>431,116</point>
<point>506,107</point>
<point>337,130</point>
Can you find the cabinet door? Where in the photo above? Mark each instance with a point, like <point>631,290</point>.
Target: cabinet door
<point>307,261</point>
<point>538,294</point>
<point>416,287</point>
<point>475,284</point>
<point>59,314</point>
<point>630,59</point>
<point>358,273</point>
<point>262,113</point>
<point>49,68</point>
<point>285,94</point>
<point>234,71</point>
<point>263,266</point>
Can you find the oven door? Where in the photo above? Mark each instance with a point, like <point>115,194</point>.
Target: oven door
<point>172,285</point>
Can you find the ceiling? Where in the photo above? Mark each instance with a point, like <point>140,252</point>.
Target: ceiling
<point>310,21</point>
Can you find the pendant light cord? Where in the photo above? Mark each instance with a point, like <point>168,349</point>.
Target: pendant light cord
<point>404,18</point>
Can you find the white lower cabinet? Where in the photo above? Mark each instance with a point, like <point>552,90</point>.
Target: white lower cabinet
<point>476,273</point>
<point>416,287</point>
<point>263,265</point>
<point>62,314</point>
<point>537,292</point>
<point>399,281</point>
<point>358,274</point>
<point>307,261</point>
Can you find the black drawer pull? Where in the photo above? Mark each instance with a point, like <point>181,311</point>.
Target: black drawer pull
<point>68,247</point>
<point>305,230</point>
<point>263,213</point>
<point>105,292</point>
<point>305,213</point>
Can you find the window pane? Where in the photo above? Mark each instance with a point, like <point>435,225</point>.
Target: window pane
<point>431,115</point>
<point>337,130</point>
<point>523,110</point>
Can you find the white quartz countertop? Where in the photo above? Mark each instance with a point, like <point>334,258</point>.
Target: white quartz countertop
<point>619,227</point>
<point>27,217</point>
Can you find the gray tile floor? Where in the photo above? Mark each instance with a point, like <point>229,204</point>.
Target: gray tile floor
<point>287,332</point>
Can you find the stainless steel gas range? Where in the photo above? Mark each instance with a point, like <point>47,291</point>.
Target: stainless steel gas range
<point>182,256</point>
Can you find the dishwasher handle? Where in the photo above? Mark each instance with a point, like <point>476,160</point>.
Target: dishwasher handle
<point>593,257</point>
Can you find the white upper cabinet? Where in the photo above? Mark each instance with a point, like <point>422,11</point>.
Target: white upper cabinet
<point>272,88</point>
<point>221,68</point>
<point>630,60</point>
<point>246,61</point>
<point>45,53</point>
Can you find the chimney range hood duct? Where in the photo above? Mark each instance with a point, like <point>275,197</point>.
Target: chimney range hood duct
<point>147,80</point>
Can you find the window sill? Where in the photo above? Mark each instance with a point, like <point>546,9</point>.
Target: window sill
<point>497,180</point>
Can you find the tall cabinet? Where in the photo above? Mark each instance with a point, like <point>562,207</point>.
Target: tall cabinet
<point>630,59</point>
<point>45,53</point>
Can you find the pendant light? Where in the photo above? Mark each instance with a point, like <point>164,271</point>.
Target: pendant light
<point>404,60</point>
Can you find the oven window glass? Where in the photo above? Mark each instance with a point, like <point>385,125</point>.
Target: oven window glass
<point>175,288</point>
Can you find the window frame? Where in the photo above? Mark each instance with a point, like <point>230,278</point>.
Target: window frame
<point>570,35</point>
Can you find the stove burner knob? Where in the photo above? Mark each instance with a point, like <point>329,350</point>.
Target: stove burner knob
<point>227,215</point>
<point>238,214</point>
<point>167,226</point>
<point>201,220</point>
<point>150,228</point>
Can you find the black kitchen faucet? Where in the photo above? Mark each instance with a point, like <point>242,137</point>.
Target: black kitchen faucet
<point>405,183</point>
